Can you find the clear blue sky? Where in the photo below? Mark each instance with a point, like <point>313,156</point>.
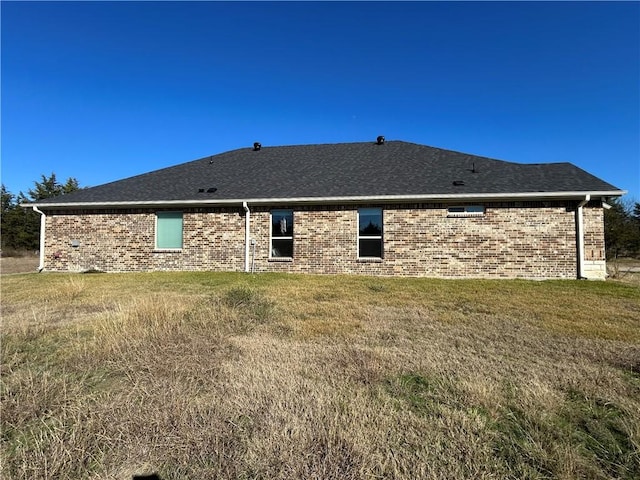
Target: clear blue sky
<point>103,91</point>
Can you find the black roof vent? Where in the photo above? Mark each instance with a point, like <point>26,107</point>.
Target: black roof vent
<point>458,183</point>
<point>380,140</point>
<point>212,190</point>
<point>256,146</point>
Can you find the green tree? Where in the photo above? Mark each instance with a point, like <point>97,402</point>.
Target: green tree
<point>20,227</point>
<point>622,229</point>
<point>636,211</point>
<point>50,187</point>
<point>7,199</point>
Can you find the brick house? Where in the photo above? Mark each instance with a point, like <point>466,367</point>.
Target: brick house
<point>374,208</point>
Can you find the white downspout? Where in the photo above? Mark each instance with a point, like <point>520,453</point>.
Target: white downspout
<point>43,219</point>
<point>247,233</point>
<point>580,235</point>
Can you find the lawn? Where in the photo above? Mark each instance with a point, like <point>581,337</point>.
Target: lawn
<point>275,376</point>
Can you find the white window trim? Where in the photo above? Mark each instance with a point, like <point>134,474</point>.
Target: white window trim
<point>369,237</point>
<point>157,249</point>
<point>466,212</point>
<point>271,237</point>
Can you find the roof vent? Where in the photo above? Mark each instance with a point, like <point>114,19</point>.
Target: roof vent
<point>458,183</point>
<point>212,190</point>
<point>380,140</point>
<point>256,146</point>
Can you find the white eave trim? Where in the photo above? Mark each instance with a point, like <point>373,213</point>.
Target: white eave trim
<point>336,200</point>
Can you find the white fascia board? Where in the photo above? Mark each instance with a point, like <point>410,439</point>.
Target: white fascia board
<point>336,200</point>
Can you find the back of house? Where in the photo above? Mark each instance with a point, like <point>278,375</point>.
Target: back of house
<point>388,208</point>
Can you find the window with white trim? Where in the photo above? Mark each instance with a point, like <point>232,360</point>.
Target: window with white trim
<point>369,233</point>
<point>169,230</point>
<point>281,234</point>
<point>465,211</point>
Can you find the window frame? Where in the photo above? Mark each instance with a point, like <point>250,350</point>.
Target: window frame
<point>284,237</point>
<point>466,210</point>
<point>159,248</point>
<point>370,237</point>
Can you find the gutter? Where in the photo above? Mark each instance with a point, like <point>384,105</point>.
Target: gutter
<point>43,220</point>
<point>247,234</point>
<point>580,235</point>
<point>425,198</point>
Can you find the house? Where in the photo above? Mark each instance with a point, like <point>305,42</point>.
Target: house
<point>375,208</point>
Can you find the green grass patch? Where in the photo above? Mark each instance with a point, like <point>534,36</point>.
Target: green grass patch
<point>424,395</point>
<point>534,443</point>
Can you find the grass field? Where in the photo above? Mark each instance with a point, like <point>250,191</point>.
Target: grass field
<point>270,376</point>
<point>22,263</point>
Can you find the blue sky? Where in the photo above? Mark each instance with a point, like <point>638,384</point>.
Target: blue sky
<point>102,91</point>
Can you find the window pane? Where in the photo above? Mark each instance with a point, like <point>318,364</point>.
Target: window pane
<point>169,230</point>
<point>282,223</point>
<point>370,222</point>
<point>282,248</point>
<point>466,209</point>
<point>475,209</point>
<point>370,247</point>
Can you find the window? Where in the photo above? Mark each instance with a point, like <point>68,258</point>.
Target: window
<point>282,234</point>
<point>169,230</point>
<point>369,233</point>
<point>465,211</point>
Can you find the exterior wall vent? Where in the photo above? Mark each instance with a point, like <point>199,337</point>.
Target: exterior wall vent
<point>256,146</point>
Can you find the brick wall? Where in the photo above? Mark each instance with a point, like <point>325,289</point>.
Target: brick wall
<point>593,220</point>
<point>511,240</point>
<point>124,240</point>
<point>594,251</point>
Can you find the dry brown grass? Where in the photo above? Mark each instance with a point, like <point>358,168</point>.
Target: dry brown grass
<point>287,376</point>
<point>20,263</point>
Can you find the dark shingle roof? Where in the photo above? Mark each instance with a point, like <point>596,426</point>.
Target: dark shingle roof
<point>341,170</point>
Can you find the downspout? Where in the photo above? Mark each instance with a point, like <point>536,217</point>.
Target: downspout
<point>43,219</point>
<point>247,233</point>
<point>580,235</point>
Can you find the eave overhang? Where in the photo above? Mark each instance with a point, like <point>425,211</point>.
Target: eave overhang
<point>338,200</point>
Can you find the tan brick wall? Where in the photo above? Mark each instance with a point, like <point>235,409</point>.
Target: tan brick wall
<point>109,241</point>
<point>512,240</point>
<point>593,221</point>
<point>421,240</point>
<point>594,265</point>
<point>119,241</point>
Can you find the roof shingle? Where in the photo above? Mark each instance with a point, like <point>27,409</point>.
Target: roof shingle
<point>342,170</point>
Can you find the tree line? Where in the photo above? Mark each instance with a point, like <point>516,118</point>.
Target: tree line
<point>20,227</point>
<point>622,229</point>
